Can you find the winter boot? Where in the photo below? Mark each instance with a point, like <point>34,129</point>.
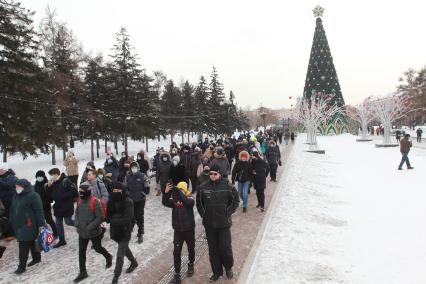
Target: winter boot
<point>262,209</point>
<point>214,278</point>
<point>140,238</point>
<point>115,279</point>
<point>108,262</point>
<point>2,249</point>
<point>244,210</point>
<point>20,270</point>
<point>190,271</point>
<point>34,262</point>
<point>83,275</point>
<point>176,279</point>
<point>60,244</point>
<point>132,266</point>
<point>229,274</point>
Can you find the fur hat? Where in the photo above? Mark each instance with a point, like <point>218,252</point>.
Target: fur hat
<point>244,155</point>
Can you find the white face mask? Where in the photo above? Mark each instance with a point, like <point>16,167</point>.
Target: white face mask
<point>175,163</point>
<point>165,159</point>
<point>19,190</point>
<point>100,177</point>
<point>40,179</point>
<point>134,170</point>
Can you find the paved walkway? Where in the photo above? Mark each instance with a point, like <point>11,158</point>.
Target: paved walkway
<point>244,232</point>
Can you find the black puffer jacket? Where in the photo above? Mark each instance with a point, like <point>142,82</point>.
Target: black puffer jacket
<point>260,172</point>
<point>183,210</point>
<point>216,202</point>
<point>64,193</point>
<point>120,215</point>
<point>273,155</point>
<point>177,174</point>
<point>40,188</point>
<point>242,172</point>
<point>164,168</point>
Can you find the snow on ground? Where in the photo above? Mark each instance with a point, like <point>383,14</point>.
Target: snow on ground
<point>61,265</point>
<point>348,216</point>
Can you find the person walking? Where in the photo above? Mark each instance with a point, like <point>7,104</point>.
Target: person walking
<point>143,161</point>
<point>177,171</point>
<point>260,172</point>
<point>40,188</point>
<point>419,133</point>
<point>121,218</point>
<point>180,199</point>
<point>405,146</point>
<point>27,220</point>
<point>7,190</point>
<point>137,184</point>
<point>98,188</point>
<point>71,167</point>
<point>102,177</point>
<point>222,162</point>
<point>111,167</point>
<point>3,223</point>
<point>89,166</point>
<point>163,173</point>
<point>273,156</point>
<point>195,168</point>
<point>217,200</point>
<point>243,173</point>
<point>63,192</point>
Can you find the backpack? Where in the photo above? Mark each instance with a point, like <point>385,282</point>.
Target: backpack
<point>92,205</point>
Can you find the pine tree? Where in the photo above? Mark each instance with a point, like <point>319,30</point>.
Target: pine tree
<point>321,77</point>
<point>201,97</point>
<point>171,105</point>
<point>188,107</point>
<point>22,119</point>
<point>216,100</point>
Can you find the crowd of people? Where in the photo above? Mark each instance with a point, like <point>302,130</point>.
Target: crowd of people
<point>202,175</point>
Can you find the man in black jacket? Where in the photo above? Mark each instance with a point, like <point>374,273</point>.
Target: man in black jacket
<point>180,200</point>
<point>122,220</point>
<point>260,172</point>
<point>217,200</point>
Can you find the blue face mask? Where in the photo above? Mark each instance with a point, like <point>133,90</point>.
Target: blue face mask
<point>109,161</point>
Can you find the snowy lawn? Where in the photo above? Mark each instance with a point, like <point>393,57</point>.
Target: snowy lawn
<point>348,216</point>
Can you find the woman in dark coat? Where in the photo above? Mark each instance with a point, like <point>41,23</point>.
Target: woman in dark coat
<point>120,215</point>
<point>260,172</point>
<point>26,218</point>
<point>40,188</point>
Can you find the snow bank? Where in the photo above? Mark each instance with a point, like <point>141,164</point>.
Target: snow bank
<point>348,216</point>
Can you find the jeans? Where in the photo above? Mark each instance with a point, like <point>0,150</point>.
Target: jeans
<point>122,251</point>
<point>24,250</point>
<point>139,209</point>
<point>220,249</point>
<point>243,189</point>
<point>82,248</point>
<point>178,239</point>
<point>404,160</point>
<point>60,225</point>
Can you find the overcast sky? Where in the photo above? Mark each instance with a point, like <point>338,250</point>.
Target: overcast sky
<point>260,48</point>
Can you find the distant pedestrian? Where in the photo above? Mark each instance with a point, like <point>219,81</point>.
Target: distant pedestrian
<point>260,172</point>
<point>419,133</point>
<point>71,167</point>
<point>405,149</point>
<point>40,187</point>
<point>243,174</point>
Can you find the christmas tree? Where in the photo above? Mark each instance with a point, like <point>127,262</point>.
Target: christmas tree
<point>321,78</point>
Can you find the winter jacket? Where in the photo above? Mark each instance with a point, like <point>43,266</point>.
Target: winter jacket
<point>260,172</point>
<point>216,202</point>
<point>112,169</point>
<point>177,174</point>
<point>64,192</point>
<point>2,210</point>
<point>120,216</point>
<point>164,169</point>
<point>405,145</point>
<point>88,220</point>
<point>183,209</point>
<point>99,190</point>
<point>7,187</point>
<point>242,172</point>
<point>71,165</point>
<point>137,185</point>
<point>229,151</point>
<point>194,164</point>
<point>203,178</point>
<point>26,214</point>
<point>185,159</point>
<point>143,164</point>
<point>107,182</point>
<point>222,162</point>
<point>123,166</point>
<point>273,155</point>
<point>46,200</point>
<point>155,162</point>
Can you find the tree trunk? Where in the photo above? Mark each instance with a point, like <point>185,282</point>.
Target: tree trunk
<point>53,149</point>
<point>92,151</point>
<point>183,137</point>
<point>116,145</point>
<point>171,137</point>
<point>146,145</point>
<point>97,147</point>
<point>71,142</point>
<point>106,144</point>
<point>4,155</point>
<point>64,154</point>
<point>188,136</point>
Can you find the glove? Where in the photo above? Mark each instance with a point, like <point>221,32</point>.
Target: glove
<point>279,163</point>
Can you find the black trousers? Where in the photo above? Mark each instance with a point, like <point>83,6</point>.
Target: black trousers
<point>74,179</point>
<point>194,181</point>
<point>82,248</point>
<point>123,251</point>
<point>273,171</point>
<point>220,249</point>
<point>139,209</point>
<point>24,250</point>
<point>49,220</point>
<point>260,193</point>
<point>178,239</point>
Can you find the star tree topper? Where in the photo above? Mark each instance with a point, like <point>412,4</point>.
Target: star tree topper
<point>318,11</point>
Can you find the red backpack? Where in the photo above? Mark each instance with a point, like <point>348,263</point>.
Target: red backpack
<point>92,205</point>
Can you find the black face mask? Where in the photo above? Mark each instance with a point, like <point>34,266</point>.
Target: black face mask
<point>85,194</point>
<point>117,196</point>
<point>206,171</point>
